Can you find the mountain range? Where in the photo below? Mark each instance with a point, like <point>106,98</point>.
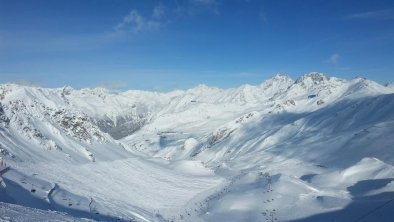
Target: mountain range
<point>317,148</point>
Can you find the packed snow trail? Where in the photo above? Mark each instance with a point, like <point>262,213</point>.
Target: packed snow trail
<point>129,188</point>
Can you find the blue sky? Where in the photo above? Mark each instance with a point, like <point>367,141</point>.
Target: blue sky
<point>165,45</point>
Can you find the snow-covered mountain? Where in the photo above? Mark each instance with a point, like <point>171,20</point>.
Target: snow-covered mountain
<point>310,149</point>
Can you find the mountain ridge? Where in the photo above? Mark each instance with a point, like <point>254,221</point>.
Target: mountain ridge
<point>225,143</point>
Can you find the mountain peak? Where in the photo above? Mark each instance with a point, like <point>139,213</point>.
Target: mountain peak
<point>202,88</point>
<point>389,85</point>
<point>67,88</point>
<point>312,77</point>
<point>281,77</point>
<point>278,79</point>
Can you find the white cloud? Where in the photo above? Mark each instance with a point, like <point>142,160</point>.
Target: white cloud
<point>385,14</point>
<point>334,58</point>
<point>135,22</point>
<point>159,11</point>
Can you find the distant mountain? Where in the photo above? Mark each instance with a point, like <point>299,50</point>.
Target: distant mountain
<point>390,85</point>
<point>290,148</point>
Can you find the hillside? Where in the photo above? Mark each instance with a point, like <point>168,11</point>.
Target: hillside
<point>310,149</point>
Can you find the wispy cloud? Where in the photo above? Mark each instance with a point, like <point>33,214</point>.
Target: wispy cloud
<point>333,59</point>
<point>385,14</point>
<point>136,22</point>
<point>159,11</point>
<point>210,5</point>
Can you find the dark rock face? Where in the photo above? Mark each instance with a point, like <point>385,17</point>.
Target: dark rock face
<point>314,77</point>
<point>77,125</point>
<point>320,102</point>
<point>4,120</point>
<point>122,127</point>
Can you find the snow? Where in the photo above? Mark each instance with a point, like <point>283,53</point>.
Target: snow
<point>12,212</point>
<point>310,149</point>
<point>192,167</point>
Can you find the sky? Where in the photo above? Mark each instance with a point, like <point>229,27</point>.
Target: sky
<point>178,44</point>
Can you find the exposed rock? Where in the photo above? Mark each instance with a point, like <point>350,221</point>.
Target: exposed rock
<point>320,102</point>
<point>4,120</point>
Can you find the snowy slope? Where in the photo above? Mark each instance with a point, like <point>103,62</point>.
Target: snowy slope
<point>297,150</point>
<point>12,212</point>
